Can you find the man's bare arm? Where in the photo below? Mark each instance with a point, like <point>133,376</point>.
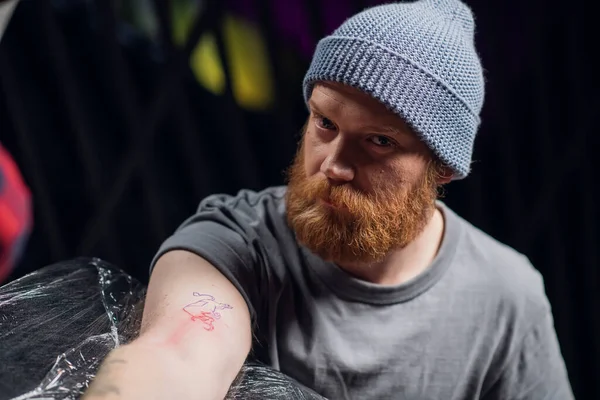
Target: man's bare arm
<point>194,338</point>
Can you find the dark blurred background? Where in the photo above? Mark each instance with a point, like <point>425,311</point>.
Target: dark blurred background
<point>122,115</point>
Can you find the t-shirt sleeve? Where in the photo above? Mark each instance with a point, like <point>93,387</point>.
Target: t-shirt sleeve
<point>536,371</point>
<point>232,233</point>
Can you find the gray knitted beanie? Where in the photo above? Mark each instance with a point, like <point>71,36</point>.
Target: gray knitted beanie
<point>419,59</point>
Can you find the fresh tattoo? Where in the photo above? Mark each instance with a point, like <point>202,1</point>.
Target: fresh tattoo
<point>205,310</point>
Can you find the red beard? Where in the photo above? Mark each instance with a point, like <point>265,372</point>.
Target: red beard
<point>358,227</point>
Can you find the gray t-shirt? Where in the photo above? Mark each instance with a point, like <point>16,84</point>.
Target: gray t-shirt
<point>476,325</point>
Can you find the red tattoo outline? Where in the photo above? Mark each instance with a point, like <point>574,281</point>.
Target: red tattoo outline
<point>205,310</point>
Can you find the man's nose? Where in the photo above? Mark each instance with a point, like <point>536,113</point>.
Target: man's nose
<point>336,165</point>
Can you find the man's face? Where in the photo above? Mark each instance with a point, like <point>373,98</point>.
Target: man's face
<point>362,183</point>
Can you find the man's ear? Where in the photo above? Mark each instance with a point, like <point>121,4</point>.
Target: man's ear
<point>445,175</point>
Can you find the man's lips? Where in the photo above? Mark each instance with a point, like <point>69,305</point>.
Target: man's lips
<point>328,203</point>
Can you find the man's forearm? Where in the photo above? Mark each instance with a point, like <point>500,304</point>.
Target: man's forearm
<point>139,371</point>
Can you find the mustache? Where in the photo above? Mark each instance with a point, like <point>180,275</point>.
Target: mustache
<point>345,195</point>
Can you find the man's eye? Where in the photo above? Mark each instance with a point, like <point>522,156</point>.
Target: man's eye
<point>382,141</point>
<point>325,123</point>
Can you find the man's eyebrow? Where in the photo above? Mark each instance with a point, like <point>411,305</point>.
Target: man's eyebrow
<point>390,129</point>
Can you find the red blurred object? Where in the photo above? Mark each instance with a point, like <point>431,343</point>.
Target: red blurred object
<point>15,214</point>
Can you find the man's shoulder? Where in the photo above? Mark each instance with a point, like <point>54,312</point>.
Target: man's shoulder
<point>268,200</point>
<point>252,213</point>
<point>500,273</point>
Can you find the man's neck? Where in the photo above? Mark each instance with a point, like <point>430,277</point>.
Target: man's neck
<point>408,262</point>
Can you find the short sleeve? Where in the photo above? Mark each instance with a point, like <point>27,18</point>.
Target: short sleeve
<point>237,235</point>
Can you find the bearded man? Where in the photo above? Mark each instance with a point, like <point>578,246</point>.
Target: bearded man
<point>355,279</point>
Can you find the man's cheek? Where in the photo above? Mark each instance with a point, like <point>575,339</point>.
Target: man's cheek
<point>312,165</point>
<point>314,157</point>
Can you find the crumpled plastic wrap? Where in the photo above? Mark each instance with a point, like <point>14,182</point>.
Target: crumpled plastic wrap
<point>58,323</point>
<point>258,382</point>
